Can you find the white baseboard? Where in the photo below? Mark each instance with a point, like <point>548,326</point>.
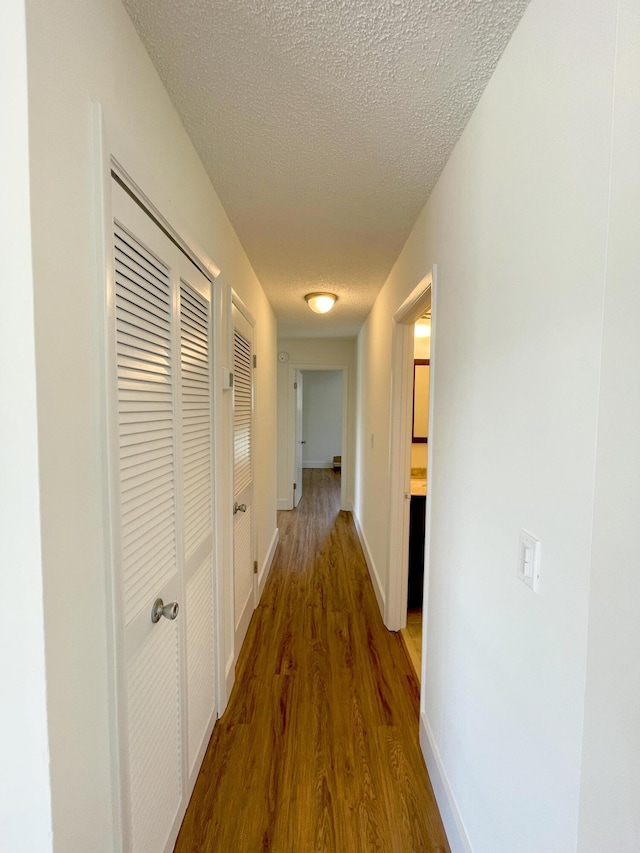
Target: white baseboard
<point>229,677</point>
<point>317,464</point>
<point>375,579</point>
<point>348,506</point>
<point>451,818</point>
<point>284,503</point>
<point>266,568</point>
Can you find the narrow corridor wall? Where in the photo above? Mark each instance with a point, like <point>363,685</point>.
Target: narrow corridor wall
<point>610,792</point>
<point>25,795</point>
<point>80,55</point>
<point>517,226</point>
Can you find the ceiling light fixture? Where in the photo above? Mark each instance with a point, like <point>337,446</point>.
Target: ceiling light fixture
<point>321,302</point>
<point>423,326</point>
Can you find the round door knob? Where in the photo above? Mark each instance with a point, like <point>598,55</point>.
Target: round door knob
<point>169,611</point>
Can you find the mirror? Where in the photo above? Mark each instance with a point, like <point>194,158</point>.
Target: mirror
<point>420,430</point>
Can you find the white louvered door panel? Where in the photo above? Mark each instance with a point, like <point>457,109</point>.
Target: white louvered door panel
<point>155,751</point>
<point>243,558</point>
<point>200,641</point>
<point>243,553</point>
<point>148,535</point>
<point>196,402</point>
<point>163,540</point>
<point>145,415</point>
<point>196,416</point>
<point>242,410</point>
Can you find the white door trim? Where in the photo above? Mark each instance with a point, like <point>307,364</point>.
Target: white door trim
<point>242,308</point>
<point>298,448</point>
<point>206,267</point>
<point>111,149</point>
<point>395,615</point>
<point>291,431</point>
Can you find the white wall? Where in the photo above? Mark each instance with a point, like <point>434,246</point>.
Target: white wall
<point>609,810</point>
<point>80,54</point>
<point>517,226</point>
<point>321,417</point>
<point>323,353</point>
<point>25,801</point>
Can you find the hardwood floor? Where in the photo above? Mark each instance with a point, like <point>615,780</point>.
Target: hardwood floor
<point>318,748</point>
<point>412,637</point>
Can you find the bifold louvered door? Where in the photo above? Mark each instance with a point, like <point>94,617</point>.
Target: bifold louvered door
<point>163,531</point>
<point>242,472</point>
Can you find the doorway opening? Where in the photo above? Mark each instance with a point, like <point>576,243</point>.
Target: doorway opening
<point>410,466</point>
<point>412,632</point>
<point>317,424</point>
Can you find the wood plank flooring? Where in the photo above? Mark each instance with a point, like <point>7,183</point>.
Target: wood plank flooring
<point>318,748</point>
<point>412,638</point>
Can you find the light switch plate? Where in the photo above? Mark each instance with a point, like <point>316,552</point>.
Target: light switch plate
<point>529,560</point>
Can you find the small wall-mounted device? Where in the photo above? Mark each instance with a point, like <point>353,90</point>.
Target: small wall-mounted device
<point>529,560</point>
<point>227,379</point>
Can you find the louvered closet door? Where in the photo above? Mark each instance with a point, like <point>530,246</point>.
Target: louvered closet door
<point>195,306</point>
<point>242,473</point>
<point>163,527</point>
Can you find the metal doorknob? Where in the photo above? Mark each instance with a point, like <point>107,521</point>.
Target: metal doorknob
<point>169,611</point>
<point>239,508</point>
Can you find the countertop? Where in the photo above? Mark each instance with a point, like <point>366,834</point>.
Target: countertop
<point>418,486</point>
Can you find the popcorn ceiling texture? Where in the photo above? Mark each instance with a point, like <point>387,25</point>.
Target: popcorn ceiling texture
<point>324,125</point>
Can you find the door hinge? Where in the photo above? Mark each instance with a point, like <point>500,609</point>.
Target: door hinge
<point>295,486</point>
<point>255,567</point>
<point>255,361</point>
<point>295,386</point>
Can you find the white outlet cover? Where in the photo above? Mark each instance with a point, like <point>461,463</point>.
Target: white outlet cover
<point>528,568</point>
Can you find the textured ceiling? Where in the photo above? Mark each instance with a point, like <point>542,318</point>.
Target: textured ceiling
<point>324,125</point>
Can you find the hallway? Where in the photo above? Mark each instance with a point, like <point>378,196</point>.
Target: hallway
<point>318,749</point>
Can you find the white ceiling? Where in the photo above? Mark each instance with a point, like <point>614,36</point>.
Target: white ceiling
<point>324,125</point>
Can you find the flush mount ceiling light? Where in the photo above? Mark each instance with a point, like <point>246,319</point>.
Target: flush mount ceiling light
<point>321,302</point>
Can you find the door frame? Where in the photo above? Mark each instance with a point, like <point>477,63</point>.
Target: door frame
<point>291,420</point>
<point>423,295</point>
<point>298,439</point>
<point>113,155</point>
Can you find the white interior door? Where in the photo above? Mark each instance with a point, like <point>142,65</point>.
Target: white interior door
<point>161,443</point>
<point>243,549</point>
<point>298,391</point>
